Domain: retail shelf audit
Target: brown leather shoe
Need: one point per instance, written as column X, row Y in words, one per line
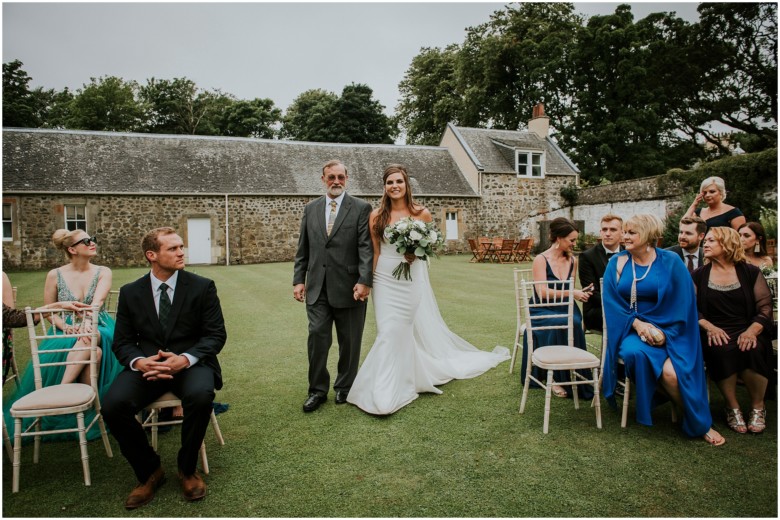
column 192, row 486
column 142, row 494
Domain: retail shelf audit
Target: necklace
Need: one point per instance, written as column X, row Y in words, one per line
column 632, row 303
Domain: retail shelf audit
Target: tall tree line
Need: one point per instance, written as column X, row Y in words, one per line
column 627, row 98
column 178, row 106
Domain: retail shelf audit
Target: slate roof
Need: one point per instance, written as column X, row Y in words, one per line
column 493, row 150
column 61, row 161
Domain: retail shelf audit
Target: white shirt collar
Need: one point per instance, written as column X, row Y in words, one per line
column 338, row 200
column 617, row 249
column 171, row 282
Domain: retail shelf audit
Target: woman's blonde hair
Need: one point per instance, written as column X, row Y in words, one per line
column 63, row 239
column 718, row 182
column 730, row 242
column 647, row 226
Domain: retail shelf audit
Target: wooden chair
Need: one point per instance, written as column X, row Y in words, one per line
column 556, row 357
column 170, row 400
column 111, row 302
column 13, row 375
column 523, row 249
column 506, row 254
column 519, row 275
column 477, row 254
column 59, row 399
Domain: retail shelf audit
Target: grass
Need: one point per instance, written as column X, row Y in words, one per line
column 466, row 453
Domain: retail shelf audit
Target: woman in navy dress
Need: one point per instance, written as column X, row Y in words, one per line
column 652, row 324
column 717, row 213
column 555, row 264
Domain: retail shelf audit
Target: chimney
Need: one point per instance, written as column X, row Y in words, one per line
column 540, row 123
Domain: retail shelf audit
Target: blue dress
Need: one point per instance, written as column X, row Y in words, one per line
column 542, row 338
column 666, row 299
column 109, row 370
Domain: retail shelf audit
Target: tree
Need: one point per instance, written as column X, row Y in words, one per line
column 176, row 106
column 309, row 116
column 18, row 101
column 108, row 104
column 354, row 117
column 255, row 118
column 737, row 80
column 360, row 119
column 429, row 96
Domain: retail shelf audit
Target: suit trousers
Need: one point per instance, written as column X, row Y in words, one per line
column 130, row 393
column 349, row 331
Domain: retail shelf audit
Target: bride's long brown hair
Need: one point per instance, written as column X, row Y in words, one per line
column 385, row 204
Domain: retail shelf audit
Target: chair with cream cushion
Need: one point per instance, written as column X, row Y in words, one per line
column 153, row 422
column 60, row 399
column 519, row 275
column 556, row 357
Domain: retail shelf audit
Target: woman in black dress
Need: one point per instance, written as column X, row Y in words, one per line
column 712, row 192
column 735, row 317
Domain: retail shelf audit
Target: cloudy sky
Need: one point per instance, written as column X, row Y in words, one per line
column 267, row 50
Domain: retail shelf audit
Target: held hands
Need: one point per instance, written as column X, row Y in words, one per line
column 649, row 334
column 361, row 292
column 163, row 365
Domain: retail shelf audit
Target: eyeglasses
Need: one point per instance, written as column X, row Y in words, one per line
column 332, row 178
column 86, row 241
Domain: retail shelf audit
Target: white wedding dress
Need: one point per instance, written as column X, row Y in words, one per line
column 414, row 350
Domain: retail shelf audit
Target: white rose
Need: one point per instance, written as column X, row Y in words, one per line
column 420, row 225
column 414, row 235
column 432, row 236
column 401, row 225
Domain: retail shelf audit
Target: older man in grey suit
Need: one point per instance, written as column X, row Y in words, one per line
column 333, row 274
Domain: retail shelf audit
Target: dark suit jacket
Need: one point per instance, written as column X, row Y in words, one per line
column 338, row 261
column 679, row 250
column 197, row 326
column 592, row 264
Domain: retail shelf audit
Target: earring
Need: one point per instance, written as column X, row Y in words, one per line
column 757, row 248
column 649, row 248
column 556, row 245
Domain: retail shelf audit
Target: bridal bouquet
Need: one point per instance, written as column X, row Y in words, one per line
column 413, row 236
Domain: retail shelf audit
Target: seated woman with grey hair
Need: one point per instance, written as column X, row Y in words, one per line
column 652, row 324
column 717, row 213
column 735, row 316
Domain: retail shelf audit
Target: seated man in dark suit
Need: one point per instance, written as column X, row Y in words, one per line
column 593, row 263
column 689, row 239
column 169, row 330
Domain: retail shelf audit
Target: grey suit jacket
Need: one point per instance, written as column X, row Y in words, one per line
column 338, row 261
column 677, row 249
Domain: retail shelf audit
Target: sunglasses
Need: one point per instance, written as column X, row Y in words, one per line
column 86, row 241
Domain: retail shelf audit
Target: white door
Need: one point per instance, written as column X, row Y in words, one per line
column 452, row 225
column 199, row 240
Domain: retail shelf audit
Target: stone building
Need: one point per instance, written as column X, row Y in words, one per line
column 239, row 200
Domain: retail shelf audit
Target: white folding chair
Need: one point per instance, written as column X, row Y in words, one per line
column 519, row 275
column 170, row 400
column 59, row 399
column 537, row 294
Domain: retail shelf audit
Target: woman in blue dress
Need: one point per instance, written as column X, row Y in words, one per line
column 555, row 264
column 652, row 324
column 77, row 281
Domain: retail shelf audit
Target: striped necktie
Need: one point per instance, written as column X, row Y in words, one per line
column 332, row 216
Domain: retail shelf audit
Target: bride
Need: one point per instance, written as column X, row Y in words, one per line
column 414, row 350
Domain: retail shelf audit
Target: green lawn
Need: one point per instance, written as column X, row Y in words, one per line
column 466, row 453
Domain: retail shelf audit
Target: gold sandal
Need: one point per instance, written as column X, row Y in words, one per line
column 559, row 391
column 735, row 420
column 757, row 423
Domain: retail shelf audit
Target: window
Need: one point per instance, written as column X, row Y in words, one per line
column 8, row 223
column 529, row 164
column 75, row 217
column 451, row 229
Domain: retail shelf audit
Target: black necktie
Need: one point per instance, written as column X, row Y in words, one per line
column 610, row 255
column 690, row 263
column 165, row 305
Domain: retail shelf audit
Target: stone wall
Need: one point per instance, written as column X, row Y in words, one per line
column 655, row 195
column 511, row 207
column 261, row 228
